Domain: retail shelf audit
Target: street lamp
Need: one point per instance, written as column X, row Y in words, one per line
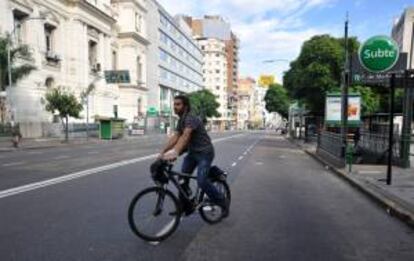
column 275, row 60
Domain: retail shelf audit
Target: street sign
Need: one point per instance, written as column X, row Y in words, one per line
column 360, row 75
column 379, row 54
column 117, row 76
column 152, row 112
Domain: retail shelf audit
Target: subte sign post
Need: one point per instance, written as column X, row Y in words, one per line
column 378, row 55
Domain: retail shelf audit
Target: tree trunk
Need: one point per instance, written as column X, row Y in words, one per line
column 2, row 109
column 66, row 130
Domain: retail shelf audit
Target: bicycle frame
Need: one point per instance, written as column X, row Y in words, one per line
column 171, row 177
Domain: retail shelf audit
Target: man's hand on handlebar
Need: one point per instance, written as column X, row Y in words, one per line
column 170, row 155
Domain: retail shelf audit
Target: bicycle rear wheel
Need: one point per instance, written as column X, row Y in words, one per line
column 154, row 214
column 211, row 213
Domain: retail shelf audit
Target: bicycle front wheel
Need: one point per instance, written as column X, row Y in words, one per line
column 154, row 214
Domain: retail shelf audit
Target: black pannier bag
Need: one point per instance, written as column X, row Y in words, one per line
column 216, row 173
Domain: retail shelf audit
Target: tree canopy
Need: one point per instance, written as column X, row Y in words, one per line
column 277, row 100
column 204, row 104
column 317, row 70
column 64, row 103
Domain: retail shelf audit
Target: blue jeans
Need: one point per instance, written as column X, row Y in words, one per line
column 202, row 160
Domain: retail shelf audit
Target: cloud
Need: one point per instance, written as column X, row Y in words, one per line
column 268, row 29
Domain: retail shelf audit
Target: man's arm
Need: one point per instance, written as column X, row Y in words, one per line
column 183, row 140
column 172, row 141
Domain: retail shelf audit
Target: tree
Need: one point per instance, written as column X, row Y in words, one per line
column 64, row 103
column 317, row 70
column 19, row 53
column 204, row 104
column 277, row 100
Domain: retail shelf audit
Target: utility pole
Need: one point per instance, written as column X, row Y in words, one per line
column 344, row 93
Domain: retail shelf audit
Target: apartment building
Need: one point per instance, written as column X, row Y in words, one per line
column 174, row 63
column 215, row 27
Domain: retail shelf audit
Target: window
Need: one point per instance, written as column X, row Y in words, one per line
column 163, row 20
column 217, row 71
column 114, row 60
column 139, row 69
column 138, row 22
column 93, row 55
column 163, row 38
column 163, row 56
column 217, row 87
column 19, row 28
column 163, row 74
column 49, row 37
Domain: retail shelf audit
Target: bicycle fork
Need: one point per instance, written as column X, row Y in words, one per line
column 160, row 203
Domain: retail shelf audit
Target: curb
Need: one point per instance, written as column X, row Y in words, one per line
column 392, row 204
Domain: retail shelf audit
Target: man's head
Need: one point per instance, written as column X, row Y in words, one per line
column 181, row 104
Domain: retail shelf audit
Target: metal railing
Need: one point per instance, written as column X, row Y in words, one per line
column 331, row 142
column 377, row 144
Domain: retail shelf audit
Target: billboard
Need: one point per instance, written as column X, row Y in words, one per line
column 333, row 110
column 266, row 80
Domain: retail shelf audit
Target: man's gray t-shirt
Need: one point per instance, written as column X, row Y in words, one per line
column 199, row 141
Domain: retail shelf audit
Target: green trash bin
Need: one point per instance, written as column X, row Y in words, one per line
column 111, row 128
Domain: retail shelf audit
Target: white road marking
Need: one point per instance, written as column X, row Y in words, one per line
column 245, row 153
column 241, row 157
column 12, row 164
column 234, row 164
column 79, row 174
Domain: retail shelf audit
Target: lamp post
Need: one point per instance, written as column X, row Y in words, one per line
column 271, row 61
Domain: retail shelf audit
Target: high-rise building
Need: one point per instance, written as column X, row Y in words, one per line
column 215, row 27
column 174, row 63
column 215, row 76
column 246, row 96
column 402, row 33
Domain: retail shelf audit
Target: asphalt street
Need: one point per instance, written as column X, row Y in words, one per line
column 285, row 206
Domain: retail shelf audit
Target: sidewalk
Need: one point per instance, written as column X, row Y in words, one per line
column 43, row 143
column 397, row 198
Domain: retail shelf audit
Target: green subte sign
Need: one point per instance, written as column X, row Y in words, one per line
column 379, row 54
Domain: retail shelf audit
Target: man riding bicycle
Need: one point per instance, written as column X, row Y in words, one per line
column 191, row 134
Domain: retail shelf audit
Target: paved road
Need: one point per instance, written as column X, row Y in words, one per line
column 285, row 207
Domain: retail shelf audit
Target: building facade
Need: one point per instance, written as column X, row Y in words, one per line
column 215, row 76
column 215, row 27
column 174, row 65
column 402, row 31
column 73, row 43
column 132, row 56
column 246, row 95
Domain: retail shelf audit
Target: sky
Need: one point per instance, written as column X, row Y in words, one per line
column 276, row 29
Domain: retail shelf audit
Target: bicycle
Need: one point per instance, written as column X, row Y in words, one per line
column 161, row 215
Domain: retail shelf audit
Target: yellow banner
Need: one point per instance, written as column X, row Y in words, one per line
column 266, row 80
